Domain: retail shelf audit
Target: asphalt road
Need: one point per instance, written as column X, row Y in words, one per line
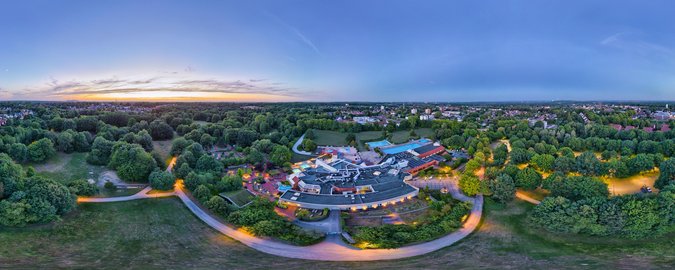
column 298, row 143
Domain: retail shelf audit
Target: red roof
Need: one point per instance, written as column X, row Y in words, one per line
column 665, row 128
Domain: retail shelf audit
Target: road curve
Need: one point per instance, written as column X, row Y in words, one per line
column 295, row 147
column 330, row 250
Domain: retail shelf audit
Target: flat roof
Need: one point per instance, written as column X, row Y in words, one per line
column 393, row 191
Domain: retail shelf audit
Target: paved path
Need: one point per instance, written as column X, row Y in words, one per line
column 331, row 249
column 298, row 143
column 526, row 198
column 329, row 225
column 143, row 194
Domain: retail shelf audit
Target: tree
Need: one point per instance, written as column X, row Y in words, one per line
column 82, row 187
column 564, row 164
column 503, row 188
column 131, row 162
column 640, row 163
column 162, row 180
column 160, row 130
column 520, row 156
column 280, row 155
column 101, row 150
column 52, row 192
column 350, row 138
column 229, row 183
column 202, row 193
column 308, row 145
column 310, row 134
column 255, row 156
column 218, row 205
column 65, row 141
column 41, row 150
column 178, row 145
column 18, row 152
column 528, row 178
column 207, row 163
column 577, row 187
column 469, row 184
column 667, row 176
column 543, row 162
column 588, row 164
column 500, row 154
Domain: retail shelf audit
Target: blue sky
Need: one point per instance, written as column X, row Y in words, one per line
column 337, row 50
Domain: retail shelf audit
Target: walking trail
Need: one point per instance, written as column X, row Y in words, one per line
column 331, row 249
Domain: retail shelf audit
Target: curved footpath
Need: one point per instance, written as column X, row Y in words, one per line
column 330, row 250
column 333, row 248
column 295, row 147
column 143, row 194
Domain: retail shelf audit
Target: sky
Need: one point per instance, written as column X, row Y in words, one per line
column 360, row 50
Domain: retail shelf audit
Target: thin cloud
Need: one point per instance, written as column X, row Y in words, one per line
column 116, row 85
column 627, row 42
column 295, row 31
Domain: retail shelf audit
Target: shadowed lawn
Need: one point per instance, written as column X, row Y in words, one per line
column 162, row 233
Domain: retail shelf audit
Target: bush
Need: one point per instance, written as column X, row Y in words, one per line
column 82, row 188
column 162, row 180
column 218, row 205
column 109, row 185
column 444, row 216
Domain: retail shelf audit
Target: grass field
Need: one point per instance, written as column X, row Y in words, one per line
column 336, row 138
column 240, row 197
column 163, row 148
column 365, row 136
column 328, row 137
column 299, row 158
column 162, row 233
column 68, row 167
column 404, row 135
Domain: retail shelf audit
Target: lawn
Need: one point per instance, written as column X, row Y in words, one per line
column 162, row 233
column 239, row 198
column 336, row 138
column 328, row 137
column 404, row 135
column 68, row 167
column 163, row 148
column 366, row 136
column 299, row 158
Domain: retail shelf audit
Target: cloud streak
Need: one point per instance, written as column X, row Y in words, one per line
column 295, row 31
column 116, row 85
column 629, row 43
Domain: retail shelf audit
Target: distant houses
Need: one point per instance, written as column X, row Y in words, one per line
column 662, row 128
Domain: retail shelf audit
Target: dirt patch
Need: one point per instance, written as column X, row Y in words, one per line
column 631, row 185
column 109, row 176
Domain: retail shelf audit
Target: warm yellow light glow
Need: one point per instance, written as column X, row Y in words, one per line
column 180, row 96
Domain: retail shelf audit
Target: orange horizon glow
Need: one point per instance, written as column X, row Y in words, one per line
column 172, row 96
